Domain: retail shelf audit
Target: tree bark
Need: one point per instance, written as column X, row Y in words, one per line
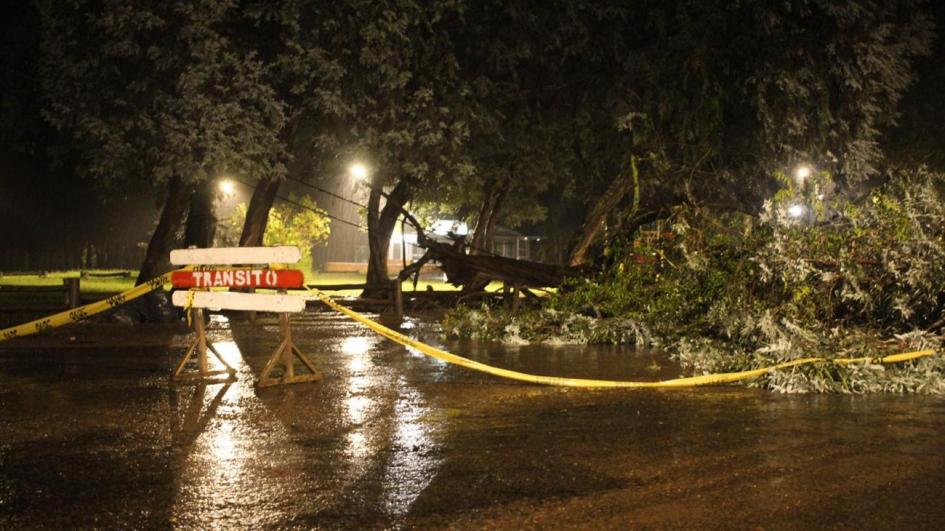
column 296, row 136
column 257, row 214
column 596, row 218
column 479, row 234
column 157, row 257
column 381, row 224
column 484, row 234
column 201, row 221
column 493, row 218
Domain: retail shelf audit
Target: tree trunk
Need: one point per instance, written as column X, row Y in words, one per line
column 201, row 222
column 484, row 234
column 479, row 234
column 598, row 215
column 297, row 137
column 157, row 257
column 257, row 214
column 493, row 218
column 381, row 224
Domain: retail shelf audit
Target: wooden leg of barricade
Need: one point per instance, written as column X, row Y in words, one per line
column 200, row 346
column 285, row 355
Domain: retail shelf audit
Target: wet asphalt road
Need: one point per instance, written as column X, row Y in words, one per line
column 92, row 435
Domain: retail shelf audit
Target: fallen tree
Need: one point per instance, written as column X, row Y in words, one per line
column 809, row 276
column 463, row 268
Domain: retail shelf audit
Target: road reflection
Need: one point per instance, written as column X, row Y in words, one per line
column 395, row 438
column 357, row 405
column 188, row 423
column 236, row 445
column 226, row 447
column 415, row 458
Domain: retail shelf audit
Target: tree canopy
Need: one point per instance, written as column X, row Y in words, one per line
column 497, row 109
column 160, row 90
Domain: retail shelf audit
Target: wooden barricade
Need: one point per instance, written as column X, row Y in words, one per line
column 195, row 302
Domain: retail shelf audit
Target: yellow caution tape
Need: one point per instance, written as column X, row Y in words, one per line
column 188, row 306
column 692, row 381
column 82, row 312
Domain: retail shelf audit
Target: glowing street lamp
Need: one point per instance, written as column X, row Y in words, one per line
column 227, row 187
column 358, row 171
column 801, row 173
column 796, row 210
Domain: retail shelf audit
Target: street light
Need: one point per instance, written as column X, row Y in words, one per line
column 796, row 210
column 358, row 171
column 227, row 187
column 801, row 173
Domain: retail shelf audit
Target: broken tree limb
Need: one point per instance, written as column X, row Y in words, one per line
column 597, row 217
column 462, row 268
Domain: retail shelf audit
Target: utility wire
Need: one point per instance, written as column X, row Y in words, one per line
column 322, row 190
column 347, row 200
column 368, row 185
column 300, row 205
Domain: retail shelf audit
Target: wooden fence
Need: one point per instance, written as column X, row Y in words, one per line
column 26, row 297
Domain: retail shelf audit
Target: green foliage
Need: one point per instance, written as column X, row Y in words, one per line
column 287, row 225
column 412, row 111
column 150, row 91
column 739, row 89
column 732, row 292
column 712, row 97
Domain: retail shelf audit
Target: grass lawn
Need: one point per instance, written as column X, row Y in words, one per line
column 87, row 284
column 433, row 282
column 110, row 285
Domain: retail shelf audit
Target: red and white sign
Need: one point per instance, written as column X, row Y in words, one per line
column 239, row 278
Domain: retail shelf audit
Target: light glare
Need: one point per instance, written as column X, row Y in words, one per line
column 226, row 187
column 801, row 173
column 358, row 171
column 796, row 211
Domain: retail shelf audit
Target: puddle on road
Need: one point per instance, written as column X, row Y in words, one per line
column 392, row 438
column 230, row 451
column 415, row 458
column 399, row 442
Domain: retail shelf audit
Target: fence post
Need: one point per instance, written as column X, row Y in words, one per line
column 72, row 291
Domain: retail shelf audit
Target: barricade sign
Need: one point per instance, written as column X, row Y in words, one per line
column 236, row 255
column 239, row 278
column 246, row 302
column 198, row 298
